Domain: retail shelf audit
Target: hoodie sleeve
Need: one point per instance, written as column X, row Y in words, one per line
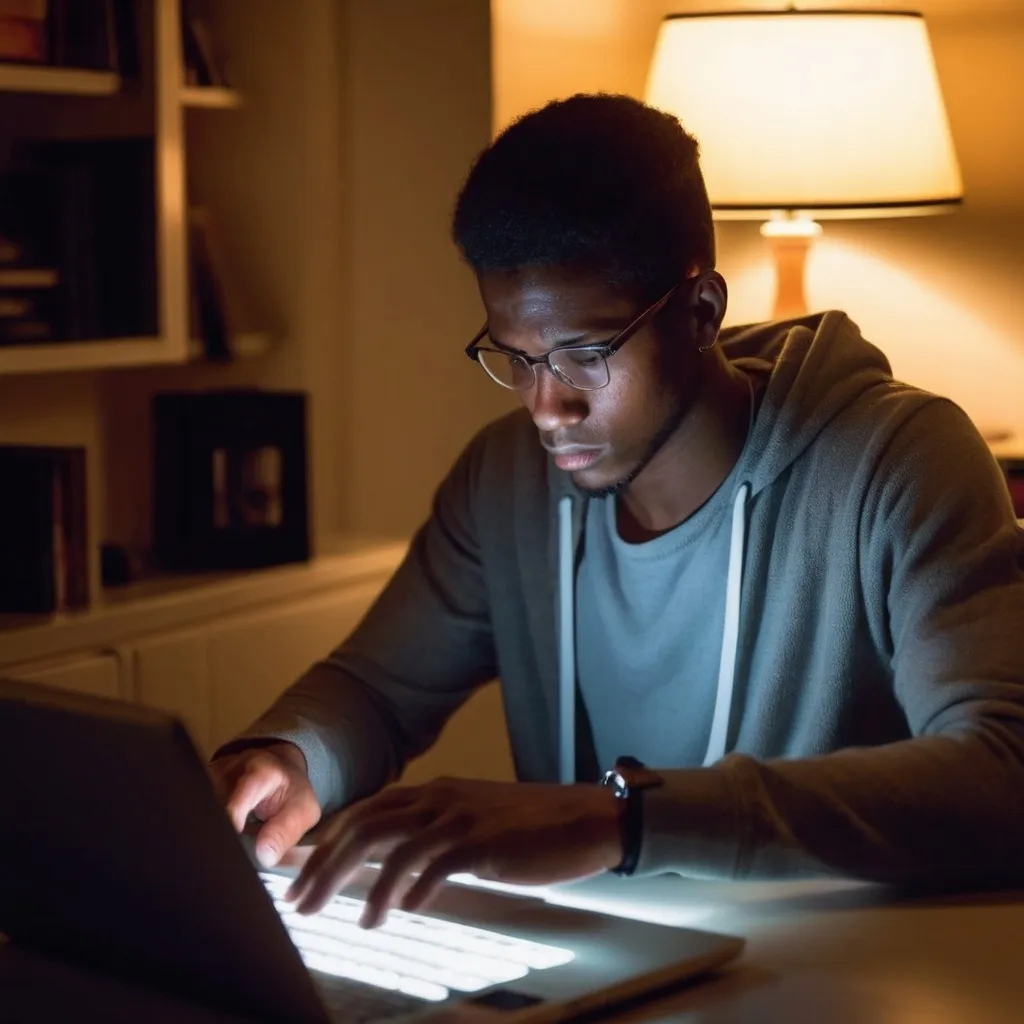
column 939, row 541
column 383, row 696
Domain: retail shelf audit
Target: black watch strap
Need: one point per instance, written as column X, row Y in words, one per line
column 629, row 778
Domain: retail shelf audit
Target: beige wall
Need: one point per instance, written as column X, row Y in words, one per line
column 940, row 295
column 418, row 106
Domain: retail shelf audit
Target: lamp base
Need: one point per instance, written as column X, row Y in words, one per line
column 790, row 242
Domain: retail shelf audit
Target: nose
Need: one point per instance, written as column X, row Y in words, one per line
column 553, row 404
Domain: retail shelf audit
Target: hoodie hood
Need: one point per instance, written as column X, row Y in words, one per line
column 815, row 367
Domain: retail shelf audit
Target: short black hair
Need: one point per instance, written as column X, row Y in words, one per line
column 598, row 181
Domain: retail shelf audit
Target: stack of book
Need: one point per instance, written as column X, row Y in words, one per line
column 43, row 534
column 78, row 230
column 28, row 277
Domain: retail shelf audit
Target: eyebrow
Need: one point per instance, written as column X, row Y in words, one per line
column 579, row 341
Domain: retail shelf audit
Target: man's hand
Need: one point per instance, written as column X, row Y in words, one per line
column 519, row 833
column 271, row 783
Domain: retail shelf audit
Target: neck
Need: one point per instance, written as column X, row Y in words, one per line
column 696, row 459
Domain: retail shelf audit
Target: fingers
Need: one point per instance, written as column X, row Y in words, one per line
column 433, row 853
column 353, row 840
column 283, row 830
column 434, row 875
column 268, row 786
column 296, row 857
column 259, row 781
column 342, row 828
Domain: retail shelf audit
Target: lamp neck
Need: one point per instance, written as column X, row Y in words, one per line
column 791, row 226
column 790, row 239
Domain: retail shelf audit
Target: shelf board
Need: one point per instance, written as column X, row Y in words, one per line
column 56, row 357
column 68, row 81
column 208, row 97
column 243, row 346
column 28, row 277
column 107, row 353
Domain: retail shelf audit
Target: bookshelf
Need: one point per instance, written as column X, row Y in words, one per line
column 58, row 81
column 210, row 97
column 60, row 103
column 83, row 355
column 243, row 346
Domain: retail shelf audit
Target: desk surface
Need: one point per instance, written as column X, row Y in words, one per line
column 827, row 953
column 835, row 952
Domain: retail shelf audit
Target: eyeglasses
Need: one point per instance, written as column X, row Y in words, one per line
column 584, row 367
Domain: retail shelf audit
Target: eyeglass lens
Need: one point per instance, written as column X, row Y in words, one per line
column 580, row 368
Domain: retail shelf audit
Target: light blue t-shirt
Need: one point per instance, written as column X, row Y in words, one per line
column 649, row 620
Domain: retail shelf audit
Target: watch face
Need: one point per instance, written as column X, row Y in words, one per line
column 616, row 781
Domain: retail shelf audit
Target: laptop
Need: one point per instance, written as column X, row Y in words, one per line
column 115, row 854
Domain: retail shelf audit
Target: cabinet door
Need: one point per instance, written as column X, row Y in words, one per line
column 96, row 674
column 170, row 675
column 252, row 659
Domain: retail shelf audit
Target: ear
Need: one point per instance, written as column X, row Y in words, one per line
column 709, row 298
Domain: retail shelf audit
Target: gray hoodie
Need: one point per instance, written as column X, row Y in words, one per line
column 869, row 718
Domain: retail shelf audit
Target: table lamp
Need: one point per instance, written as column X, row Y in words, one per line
column 804, row 114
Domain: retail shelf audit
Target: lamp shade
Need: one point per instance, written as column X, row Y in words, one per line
column 830, row 112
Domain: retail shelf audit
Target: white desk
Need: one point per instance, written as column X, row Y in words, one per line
column 834, row 952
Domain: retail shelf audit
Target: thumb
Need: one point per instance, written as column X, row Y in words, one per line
column 284, row 829
column 251, row 790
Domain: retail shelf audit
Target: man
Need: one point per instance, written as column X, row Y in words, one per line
column 791, row 586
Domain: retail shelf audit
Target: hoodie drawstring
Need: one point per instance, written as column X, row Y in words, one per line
column 731, row 632
column 567, row 638
column 566, row 646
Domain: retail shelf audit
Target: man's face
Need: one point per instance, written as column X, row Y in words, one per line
column 604, row 437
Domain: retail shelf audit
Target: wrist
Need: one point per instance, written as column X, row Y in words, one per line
column 290, row 753
column 287, row 751
column 610, row 827
column 627, row 782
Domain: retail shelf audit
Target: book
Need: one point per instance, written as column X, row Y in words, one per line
column 23, row 31
column 100, row 228
column 27, row 284
column 43, row 535
column 202, row 66
column 82, row 34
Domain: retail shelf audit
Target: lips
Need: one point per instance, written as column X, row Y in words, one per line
column 574, row 458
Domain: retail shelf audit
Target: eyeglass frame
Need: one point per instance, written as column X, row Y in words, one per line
column 606, row 349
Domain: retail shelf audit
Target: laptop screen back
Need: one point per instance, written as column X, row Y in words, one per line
column 115, row 852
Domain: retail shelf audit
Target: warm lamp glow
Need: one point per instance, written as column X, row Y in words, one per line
column 824, row 111
column 809, row 113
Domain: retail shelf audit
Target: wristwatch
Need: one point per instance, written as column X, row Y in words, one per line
column 628, row 779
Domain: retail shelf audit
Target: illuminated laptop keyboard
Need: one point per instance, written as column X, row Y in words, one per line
column 412, row 955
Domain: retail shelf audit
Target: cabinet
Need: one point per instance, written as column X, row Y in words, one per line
column 218, row 677
column 170, row 674
column 253, row 658
column 95, row 674
column 218, row 657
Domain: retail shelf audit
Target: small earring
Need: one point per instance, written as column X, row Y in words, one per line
column 708, row 348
